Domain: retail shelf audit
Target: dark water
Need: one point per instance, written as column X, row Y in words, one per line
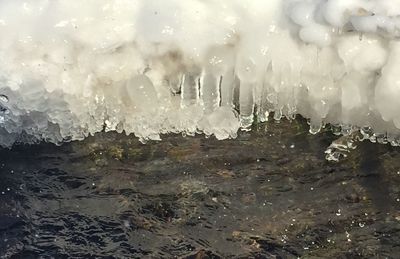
column 264, row 195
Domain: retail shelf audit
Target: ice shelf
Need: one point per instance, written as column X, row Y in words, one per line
column 69, row 68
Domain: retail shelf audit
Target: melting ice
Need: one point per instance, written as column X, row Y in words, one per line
column 69, row 69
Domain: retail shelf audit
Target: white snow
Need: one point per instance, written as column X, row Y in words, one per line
column 72, row 68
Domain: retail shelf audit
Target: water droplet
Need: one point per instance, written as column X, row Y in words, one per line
column 336, row 129
column 3, row 98
column 127, row 224
column 315, row 128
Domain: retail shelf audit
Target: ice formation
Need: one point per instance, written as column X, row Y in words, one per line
column 69, row 69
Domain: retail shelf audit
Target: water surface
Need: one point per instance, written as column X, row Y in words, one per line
column 266, row 194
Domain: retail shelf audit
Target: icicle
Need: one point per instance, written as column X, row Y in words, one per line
column 192, row 66
column 246, row 70
column 142, row 94
column 227, row 88
column 210, row 93
column 190, row 88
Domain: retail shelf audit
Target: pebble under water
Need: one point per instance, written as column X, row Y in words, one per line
column 267, row 194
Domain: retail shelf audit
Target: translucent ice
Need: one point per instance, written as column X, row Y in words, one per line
column 69, row 69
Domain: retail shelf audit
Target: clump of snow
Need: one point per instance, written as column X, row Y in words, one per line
column 69, row 69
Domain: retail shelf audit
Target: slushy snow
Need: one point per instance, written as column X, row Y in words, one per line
column 69, row 68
